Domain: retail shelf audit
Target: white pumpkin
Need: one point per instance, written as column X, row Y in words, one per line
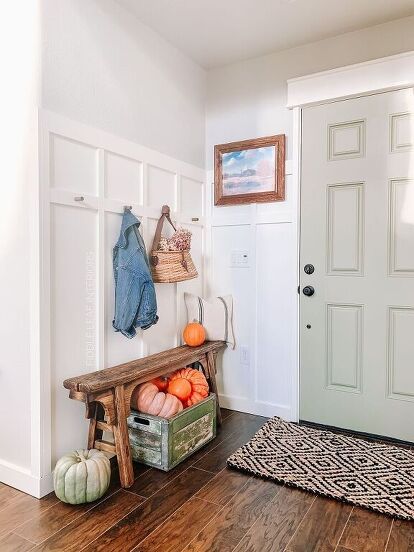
column 82, row 476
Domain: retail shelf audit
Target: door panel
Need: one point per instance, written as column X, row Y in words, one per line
column 357, row 229
column 345, row 228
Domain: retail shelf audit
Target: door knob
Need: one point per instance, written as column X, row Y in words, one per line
column 308, row 291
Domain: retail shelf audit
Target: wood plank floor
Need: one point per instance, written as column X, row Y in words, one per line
column 199, row 506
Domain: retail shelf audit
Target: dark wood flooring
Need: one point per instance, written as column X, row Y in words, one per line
column 199, row 506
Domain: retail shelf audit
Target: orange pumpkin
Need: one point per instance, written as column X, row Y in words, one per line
column 194, row 334
column 198, row 385
column 181, row 388
column 146, row 398
column 161, row 382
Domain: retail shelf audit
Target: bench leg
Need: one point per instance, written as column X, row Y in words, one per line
column 123, row 449
column 95, row 433
column 211, row 371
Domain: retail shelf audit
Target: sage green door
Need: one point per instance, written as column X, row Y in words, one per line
column 357, row 230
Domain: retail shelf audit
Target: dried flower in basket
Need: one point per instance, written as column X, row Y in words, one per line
column 180, row 240
column 163, row 245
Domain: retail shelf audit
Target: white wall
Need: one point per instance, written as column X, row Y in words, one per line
column 247, row 100
column 102, row 67
column 95, row 63
column 18, row 176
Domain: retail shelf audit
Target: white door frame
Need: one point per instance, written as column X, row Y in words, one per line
column 352, row 81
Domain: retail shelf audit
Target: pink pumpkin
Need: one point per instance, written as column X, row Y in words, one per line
column 146, row 398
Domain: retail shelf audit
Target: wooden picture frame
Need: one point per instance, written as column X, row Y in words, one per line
column 261, row 180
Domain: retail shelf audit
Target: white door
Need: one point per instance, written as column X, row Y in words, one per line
column 357, row 230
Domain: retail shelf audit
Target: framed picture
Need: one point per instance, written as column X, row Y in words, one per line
column 250, row 171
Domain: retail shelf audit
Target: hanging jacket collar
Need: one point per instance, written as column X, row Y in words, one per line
column 128, row 220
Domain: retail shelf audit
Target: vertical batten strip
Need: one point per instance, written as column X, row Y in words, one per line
column 177, row 206
column 145, row 234
column 144, row 185
column 207, row 231
column 178, row 294
column 253, row 271
column 101, row 306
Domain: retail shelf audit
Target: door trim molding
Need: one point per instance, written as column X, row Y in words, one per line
column 360, row 79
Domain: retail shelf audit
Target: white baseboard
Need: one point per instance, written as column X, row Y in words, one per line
column 21, row 479
column 260, row 408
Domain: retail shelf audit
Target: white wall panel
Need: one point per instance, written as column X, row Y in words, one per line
column 118, row 348
column 74, row 323
column 74, row 165
column 195, row 285
column 275, row 260
column 163, row 335
column 123, row 178
column 191, row 197
column 234, row 380
column 161, row 187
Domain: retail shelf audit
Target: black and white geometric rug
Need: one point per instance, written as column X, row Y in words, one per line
column 364, row 473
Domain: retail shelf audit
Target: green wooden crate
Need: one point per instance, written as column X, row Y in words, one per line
column 163, row 443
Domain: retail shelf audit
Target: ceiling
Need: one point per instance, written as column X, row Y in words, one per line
column 218, row 32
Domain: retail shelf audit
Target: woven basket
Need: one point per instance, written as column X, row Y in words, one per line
column 170, row 266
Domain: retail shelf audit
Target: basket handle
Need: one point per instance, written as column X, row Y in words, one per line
column 165, row 214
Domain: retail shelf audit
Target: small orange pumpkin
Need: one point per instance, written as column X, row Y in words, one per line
column 161, row 382
column 194, row 334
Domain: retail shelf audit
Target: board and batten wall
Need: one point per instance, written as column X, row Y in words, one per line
column 248, row 100
column 257, row 375
column 109, row 173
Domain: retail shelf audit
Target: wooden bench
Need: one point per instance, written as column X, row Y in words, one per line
column 107, row 395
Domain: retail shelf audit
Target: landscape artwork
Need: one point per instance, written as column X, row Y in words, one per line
column 250, row 171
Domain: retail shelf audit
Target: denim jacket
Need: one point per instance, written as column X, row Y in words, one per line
column 135, row 301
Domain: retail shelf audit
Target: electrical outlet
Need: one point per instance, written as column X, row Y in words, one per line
column 239, row 259
column 244, row 356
